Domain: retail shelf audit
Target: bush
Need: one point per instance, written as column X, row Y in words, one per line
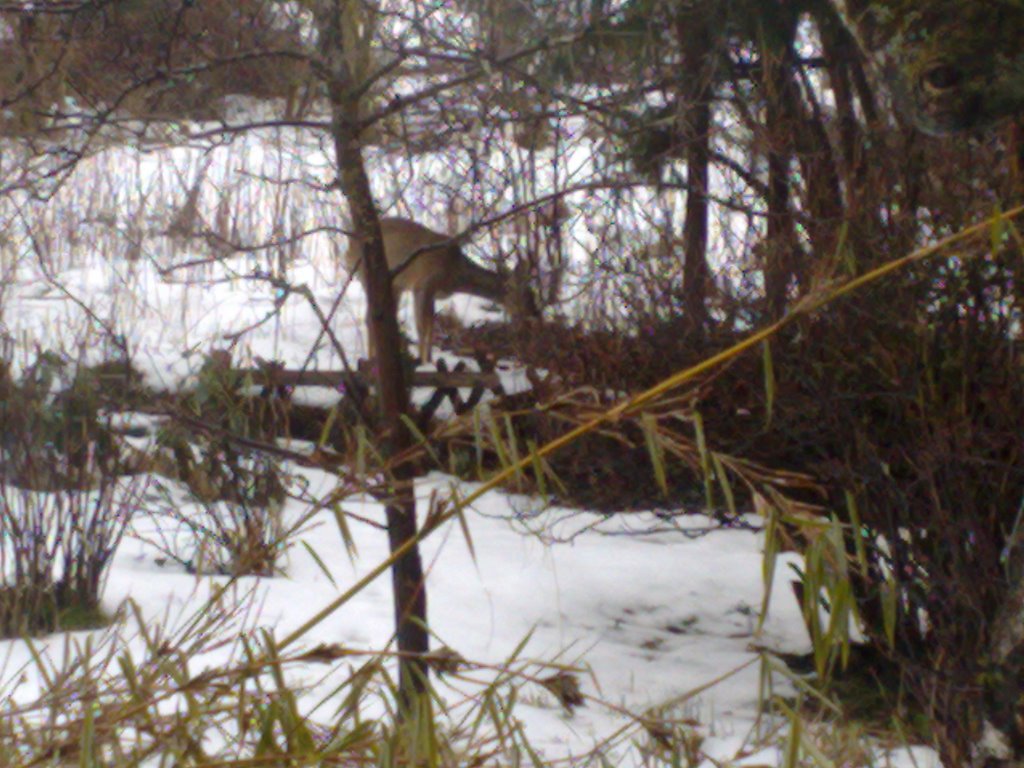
column 55, row 547
column 230, row 522
column 906, row 405
column 63, row 507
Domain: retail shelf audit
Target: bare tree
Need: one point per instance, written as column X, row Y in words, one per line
column 346, row 30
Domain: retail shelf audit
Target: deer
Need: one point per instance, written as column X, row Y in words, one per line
column 430, row 266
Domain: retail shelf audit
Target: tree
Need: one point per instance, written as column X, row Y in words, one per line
column 346, row 29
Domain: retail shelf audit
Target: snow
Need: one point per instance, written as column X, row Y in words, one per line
column 653, row 614
column 651, row 617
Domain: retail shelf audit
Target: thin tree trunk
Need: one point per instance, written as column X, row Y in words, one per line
column 795, row 127
column 779, row 240
column 696, row 32
column 778, row 266
column 409, row 590
column 695, row 225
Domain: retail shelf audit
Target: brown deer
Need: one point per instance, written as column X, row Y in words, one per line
column 431, row 266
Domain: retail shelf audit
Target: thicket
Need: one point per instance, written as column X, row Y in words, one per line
column 67, row 496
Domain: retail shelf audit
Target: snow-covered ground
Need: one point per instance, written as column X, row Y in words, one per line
column 652, row 611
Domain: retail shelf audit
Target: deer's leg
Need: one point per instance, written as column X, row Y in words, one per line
column 423, row 301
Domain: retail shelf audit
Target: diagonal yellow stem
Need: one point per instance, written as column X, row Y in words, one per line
column 630, row 404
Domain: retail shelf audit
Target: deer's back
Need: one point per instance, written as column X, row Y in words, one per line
column 416, row 255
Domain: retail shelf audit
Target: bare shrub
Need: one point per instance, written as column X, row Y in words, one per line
column 53, row 437
column 637, row 462
column 55, row 547
column 230, row 522
column 63, row 506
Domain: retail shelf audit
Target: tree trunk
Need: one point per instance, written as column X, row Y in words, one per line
column 695, row 225
column 778, row 245
column 407, row 572
column 797, row 127
column 780, row 241
column 697, row 32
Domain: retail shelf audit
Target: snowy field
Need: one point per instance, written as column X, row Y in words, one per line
column 655, row 615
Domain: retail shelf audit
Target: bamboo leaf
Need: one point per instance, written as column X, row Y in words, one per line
column 705, row 460
column 319, row 562
column 889, row 598
column 513, row 447
column 421, row 439
column 858, row 533
column 537, row 463
column 725, row 484
column 649, row 424
column 768, row 560
column 769, row 381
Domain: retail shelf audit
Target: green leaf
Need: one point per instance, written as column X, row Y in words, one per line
column 769, row 382
column 649, row 424
column 705, row 459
